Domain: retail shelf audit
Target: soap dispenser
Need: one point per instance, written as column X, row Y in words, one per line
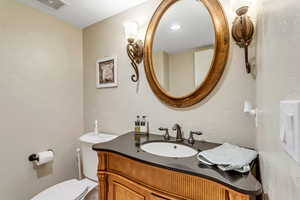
column 143, row 125
column 137, row 127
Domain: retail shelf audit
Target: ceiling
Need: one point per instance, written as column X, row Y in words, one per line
column 196, row 28
column 83, row 13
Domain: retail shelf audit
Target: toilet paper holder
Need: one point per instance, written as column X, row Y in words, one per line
column 35, row 157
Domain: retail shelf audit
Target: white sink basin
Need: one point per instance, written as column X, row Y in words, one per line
column 167, row 149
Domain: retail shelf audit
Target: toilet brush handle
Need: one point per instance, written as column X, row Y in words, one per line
column 79, row 163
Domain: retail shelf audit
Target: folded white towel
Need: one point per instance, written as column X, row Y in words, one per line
column 229, row 157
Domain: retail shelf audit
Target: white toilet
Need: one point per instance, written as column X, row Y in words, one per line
column 78, row 189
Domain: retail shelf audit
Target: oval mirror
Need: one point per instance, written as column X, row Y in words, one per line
column 186, row 50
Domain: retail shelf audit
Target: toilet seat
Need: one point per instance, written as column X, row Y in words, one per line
column 68, row 190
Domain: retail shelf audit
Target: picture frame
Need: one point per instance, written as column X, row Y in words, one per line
column 106, row 72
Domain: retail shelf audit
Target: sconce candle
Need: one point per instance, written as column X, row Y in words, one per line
column 243, row 28
column 135, row 48
column 131, row 30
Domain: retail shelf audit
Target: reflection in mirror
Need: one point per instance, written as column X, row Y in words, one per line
column 183, row 47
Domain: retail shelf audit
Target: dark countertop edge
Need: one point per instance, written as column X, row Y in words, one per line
column 252, row 193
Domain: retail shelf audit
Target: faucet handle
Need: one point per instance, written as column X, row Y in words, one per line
column 162, row 129
column 196, row 133
column 176, row 127
column 166, row 136
column 191, row 139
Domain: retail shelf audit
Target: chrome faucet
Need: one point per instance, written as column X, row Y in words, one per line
column 177, row 128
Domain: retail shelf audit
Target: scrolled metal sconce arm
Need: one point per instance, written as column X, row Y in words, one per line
column 242, row 32
column 136, row 54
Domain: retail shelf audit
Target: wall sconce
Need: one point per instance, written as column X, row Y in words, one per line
column 243, row 28
column 135, row 48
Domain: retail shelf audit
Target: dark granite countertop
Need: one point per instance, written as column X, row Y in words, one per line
column 129, row 145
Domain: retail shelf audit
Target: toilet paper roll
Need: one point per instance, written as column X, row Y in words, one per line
column 45, row 157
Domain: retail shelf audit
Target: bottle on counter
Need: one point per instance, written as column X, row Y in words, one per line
column 137, row 127
column 143, row 125
column 147, row 127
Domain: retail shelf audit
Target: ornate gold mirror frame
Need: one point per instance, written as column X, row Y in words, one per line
column 218, row 64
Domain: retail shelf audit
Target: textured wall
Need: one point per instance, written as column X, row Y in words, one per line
column 41, row 98
column 278, row 48
column 220, row 116
column 182, row 75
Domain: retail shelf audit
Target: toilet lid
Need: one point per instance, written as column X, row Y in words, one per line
column 94, row 138
column 68, row 190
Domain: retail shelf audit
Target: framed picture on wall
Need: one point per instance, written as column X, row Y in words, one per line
column 106, row 72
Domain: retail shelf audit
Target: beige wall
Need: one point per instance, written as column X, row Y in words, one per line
column 278, row 48
column 176, row 71
column 41, row 98
column 202, row 63
column 182, row 80
column 220, row 116
column 161, row 68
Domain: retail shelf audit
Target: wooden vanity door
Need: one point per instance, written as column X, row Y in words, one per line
column 121, row 192
column 121, row 189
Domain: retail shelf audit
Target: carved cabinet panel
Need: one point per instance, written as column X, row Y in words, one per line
column 120, row 188
column 121, row 192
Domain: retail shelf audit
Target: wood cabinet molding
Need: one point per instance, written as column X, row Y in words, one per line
column 102, row 166
column 103, row 185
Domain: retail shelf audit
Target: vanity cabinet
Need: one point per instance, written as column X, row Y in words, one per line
column 122, row 178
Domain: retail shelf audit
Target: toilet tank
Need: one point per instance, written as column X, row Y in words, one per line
column 88, row 155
